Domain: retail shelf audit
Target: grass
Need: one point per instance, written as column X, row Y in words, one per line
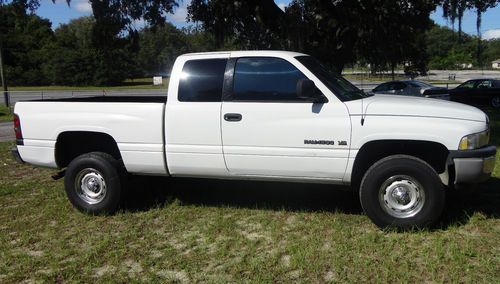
column 5, row 113
column 131, row 84
column 185, row 230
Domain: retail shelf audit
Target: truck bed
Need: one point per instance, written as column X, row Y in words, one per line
column 110, row 99
column 135, row 123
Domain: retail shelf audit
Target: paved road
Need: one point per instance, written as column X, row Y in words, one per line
column 6, row 132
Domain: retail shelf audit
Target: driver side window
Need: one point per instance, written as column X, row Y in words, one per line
column 265, row 79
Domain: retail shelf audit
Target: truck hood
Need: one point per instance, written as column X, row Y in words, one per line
column 414, row 106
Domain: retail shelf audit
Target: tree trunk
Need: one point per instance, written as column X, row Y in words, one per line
column 2, row 75
column 460, row 16
column 478, row 26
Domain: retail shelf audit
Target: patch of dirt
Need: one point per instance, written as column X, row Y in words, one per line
column 133, row 266
column 329, row 276
column 251, row 231
column 45, row 271
column 101, row 271
column 291, row 220
column 173, row 275
column 326, row 247
column 294, row 275
column 156, row 254
column 285, row 260
column 34, row 253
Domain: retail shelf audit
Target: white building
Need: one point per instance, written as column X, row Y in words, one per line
column 495, row 64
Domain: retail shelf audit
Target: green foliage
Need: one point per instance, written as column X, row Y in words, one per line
column 105, row 49
column 449, row 52
column 492, row 51
column 454, row 9
column 22, row 37
column 159, row 48
column 76, row 60
column 5, row 113
column 72, row 60
column 380, row 32
column 252, row 24
column 446, row 51
column 396, row 35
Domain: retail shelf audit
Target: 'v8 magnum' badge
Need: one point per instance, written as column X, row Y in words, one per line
column 319, row 142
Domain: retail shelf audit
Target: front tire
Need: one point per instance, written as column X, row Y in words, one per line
column 402, row 192
column 93, row 183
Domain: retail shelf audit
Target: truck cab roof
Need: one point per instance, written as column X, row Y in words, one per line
column 243, row 53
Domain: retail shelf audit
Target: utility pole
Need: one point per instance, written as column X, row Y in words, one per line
column 2, row 75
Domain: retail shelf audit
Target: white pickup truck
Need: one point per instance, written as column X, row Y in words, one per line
column 263, row 115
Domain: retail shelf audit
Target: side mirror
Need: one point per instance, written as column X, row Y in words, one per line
column 307, row 90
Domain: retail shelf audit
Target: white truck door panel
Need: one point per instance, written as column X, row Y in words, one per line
column 270, row 139
column 193, row 136
column 280, row 135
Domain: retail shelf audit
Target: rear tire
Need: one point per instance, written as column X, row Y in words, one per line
column 402, row 192
column 93, row 183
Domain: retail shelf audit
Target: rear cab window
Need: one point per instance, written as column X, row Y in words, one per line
column 201, row 80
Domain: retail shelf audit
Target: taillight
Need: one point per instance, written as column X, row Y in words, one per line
column 17, row 127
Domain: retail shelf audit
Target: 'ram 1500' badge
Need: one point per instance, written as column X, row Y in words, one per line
column 319, row 142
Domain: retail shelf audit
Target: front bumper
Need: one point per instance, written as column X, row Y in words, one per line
column 16, row 155
column 472, row 166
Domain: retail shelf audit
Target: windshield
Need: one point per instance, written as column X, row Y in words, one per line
column 342, row 88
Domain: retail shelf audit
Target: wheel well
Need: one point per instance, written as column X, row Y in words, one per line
column 72, row 144
column 435, row 154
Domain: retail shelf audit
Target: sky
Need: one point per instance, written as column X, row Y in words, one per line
column 59, row 13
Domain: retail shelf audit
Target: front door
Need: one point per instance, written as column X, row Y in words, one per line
column 267, row 130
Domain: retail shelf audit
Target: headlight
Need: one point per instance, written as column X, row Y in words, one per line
column 474, row 141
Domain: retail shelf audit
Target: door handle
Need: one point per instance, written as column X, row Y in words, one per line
column 232, row 117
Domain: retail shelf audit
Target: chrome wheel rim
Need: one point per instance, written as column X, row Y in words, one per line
column 401, row 196
column 495, row 102
column 90, row 186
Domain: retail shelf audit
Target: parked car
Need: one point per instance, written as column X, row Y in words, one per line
column 412, row 88
column 478, row 92
column 262, row 115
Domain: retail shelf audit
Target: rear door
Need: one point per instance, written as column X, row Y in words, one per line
column 193, row 126
column 268, row 131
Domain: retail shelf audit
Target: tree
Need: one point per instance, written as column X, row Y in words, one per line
column 114, row 27
column 454, row 10
column 330, row 30
column 256, row 24
column 22, row 38
column 492, row 50
column 396, row 35
column 481, row 6
column 445, row 51
column 116, row 14
column 75, row 60
column 159, row 48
